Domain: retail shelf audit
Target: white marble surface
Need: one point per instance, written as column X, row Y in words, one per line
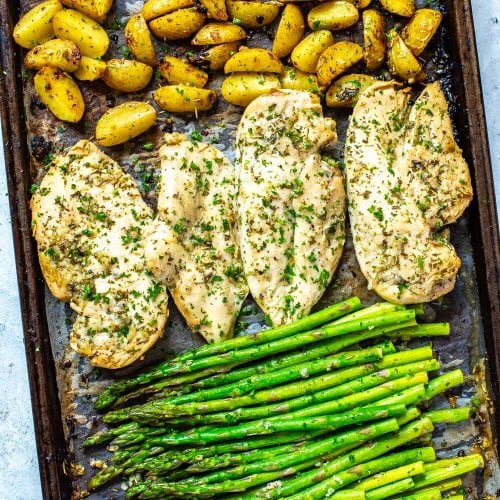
column 19, row 479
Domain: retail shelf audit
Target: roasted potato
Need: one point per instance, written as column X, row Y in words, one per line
column 362, row 4
column 90, row 37
column 253, row 60
column 183, row 99
column 337, row 59
column 35, row 27
column 252, row 14
column 61, row 54
column 138, row 38
column 59, row 92
column 216, row 9
column 96, row 9
column 241, row 89
column 126, row 75
column 401, row 61
column 124, row 122
column 294, row 79
column 90, row 69
column 344, row 92
column 421, row 28
column 290, row 30
column 157, row 8
column 306, row 54
column 217, row 55
column 176, row 71
column 404, row 8
column 336, row 15
column 177, row 25
column 374, row 39
column 215, row 33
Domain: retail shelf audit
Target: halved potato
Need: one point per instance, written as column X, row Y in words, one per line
column 345, row 91
column 126, row 75
column 124, row 122
column 183, row 99
column 290, row 30
column 61, row 54
column 157, row 8
column 216, row 9
column 215, row 33
column 401, row 60
column 138, row 38
column 294, row 79
column 254, row 60
column 177, row 25
column 96, row 9
column 35, row 27
column 374, row 39
column 241, row 89
column 217, row 55
column 337, row 59
column 59, row 92
column 252, row 14
column 405, row 8
column 421, row 28
column 177, row 71
column 336, row 15
column 306, row 54
column 90, row 69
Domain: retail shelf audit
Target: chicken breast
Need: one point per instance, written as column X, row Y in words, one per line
column 192, row 246
column 291, row 203
column 406, row 179
column 89, row 221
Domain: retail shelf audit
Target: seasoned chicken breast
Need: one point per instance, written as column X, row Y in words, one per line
column 89, row 221
column 192, row 245
column 291, row 203
column 406, row 179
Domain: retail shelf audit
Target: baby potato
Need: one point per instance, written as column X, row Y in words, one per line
column 90, row 69
column 90, row 37
column 126, row 75
column 344, row 92
column 374, row 39
column 241, row 89
column 216, row 9
column 35, row 27
column 215, row 33
column 177, row 25
column 61, row 54
column 217, row 55
column 254, row 60
column 421, row 28
column 96, row 9
column 252, row 14
column 360, row 4
column 138, row 38
column 404, row 8
column 183, row 99
column 401, row 61
column 124, row 122
column 157, row 8
column 336, row 15
column 177, row 71
column 290, row 30
column 306, row 54
column 337, row 59
column 59, row 92
column 294, row 79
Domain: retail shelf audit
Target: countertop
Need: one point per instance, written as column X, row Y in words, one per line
column 19, row 477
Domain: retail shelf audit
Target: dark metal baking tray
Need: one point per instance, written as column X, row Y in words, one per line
column 473, row 308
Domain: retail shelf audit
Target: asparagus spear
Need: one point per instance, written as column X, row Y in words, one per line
column 424, row 330
column 390, row 489
column 448, row 416
column 440, row 384
column 391, row 476
column 430, row 494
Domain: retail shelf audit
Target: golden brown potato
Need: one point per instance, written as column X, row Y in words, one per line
column 215, row 33
column 421, row 28
column 401, row 60
column 90, row 37
column 294, row 79
column 61, row 54
column 404, row 8
column 96, row 9
column 252, row 14
column 59, row 92
column 124, row 122
column 216, row 9
column 360, row 4
column 138, row 38
column 374, row 39
column 306, row 54
column 290, row 30
column 35, row 27
column 183, row 99
column 177, row 25
column 337, row 59
column 241, row 89
column 176, row 71
column 126, row 75
column 336, row 15
column 90, row 69
column 345, row 91
column 217, row 55
column 157, row 8
column 253, row 60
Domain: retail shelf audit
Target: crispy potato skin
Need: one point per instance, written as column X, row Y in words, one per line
column 420, row 29
column 345, row 91
column 96, row 9
column 337, row 59
column 59, row 92
column 216, row 33
column 176, row 71
column 290, row 30
column 156, row 8
column 61, row 54
column 374, row 39
column 124, row 122
column 401, row 61
column 217, row 55
column 404, row 8
column 336, row 15
column 178, row 25
column 252, row 14
column 126, row 75
column 35, row 27
column 294, row 79
column 306, row 54
column 138, row 38
column 90, row 69
column 184, row 99
column 253, row 60
column 241, row 89
column 216, row 9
